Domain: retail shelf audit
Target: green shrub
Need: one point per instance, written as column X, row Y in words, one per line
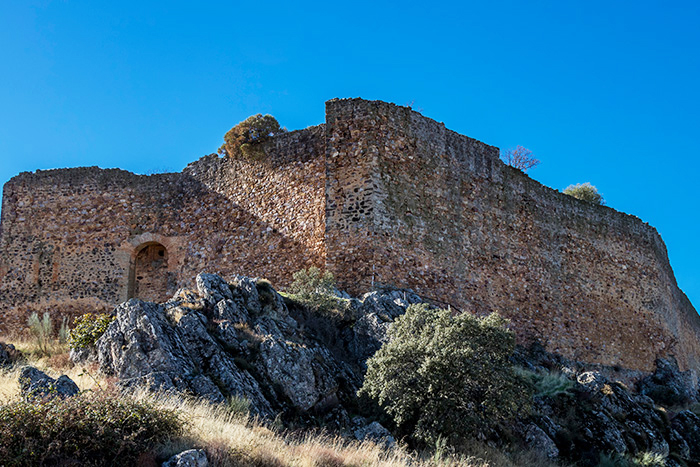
column 265, row 291
column 443, row 376
column 309, row 282
column 91, row 428
column 547, row 383
column 585, row 192
column 315, row 290
column 87, row 329
column 238, row 405
column 41, row 330
column 245, row 139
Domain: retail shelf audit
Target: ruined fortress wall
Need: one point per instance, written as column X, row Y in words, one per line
column 379, row 195
column 285, row 188
column 62, row 237
column 453, row 222
column 72, row 238
column 352, row 139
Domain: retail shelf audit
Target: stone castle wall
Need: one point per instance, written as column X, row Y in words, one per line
column 73, row 239
column 379, row 195
column 450, row 220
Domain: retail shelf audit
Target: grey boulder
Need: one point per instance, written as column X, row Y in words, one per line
column 35, row 385
column 190, row 458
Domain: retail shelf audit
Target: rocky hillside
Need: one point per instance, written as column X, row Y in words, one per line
column 242, row 341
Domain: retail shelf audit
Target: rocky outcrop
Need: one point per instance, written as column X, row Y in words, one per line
column 243, row 339
column 35, row 385
column 9, row 355
column 354, row 338
column 597, row 416
column 231, row 339
column 670, row 386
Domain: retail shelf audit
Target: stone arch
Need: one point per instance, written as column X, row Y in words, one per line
column 148, row 276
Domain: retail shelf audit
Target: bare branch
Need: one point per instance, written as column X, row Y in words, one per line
column 520, row 158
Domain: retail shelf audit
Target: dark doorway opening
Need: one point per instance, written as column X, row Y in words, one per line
column 149, row 273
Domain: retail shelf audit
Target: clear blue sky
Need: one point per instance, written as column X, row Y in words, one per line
column 602, row 92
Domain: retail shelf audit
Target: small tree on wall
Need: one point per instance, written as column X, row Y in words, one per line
column 585, row 192
column 245, row 139
column 520, row 158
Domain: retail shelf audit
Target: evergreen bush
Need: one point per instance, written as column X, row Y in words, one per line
column 585, row 192
column 87, row 329
column 316, row 290
column 91, row 428
column 446, row 377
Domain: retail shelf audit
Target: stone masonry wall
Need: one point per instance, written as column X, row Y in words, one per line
column 378, row 195
column 450, row 220
column 286, row 189
column 71, row 237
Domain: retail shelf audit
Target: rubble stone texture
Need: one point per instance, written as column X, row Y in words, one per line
column 378, row 195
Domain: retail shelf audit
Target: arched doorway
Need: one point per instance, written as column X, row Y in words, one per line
column 149, row 273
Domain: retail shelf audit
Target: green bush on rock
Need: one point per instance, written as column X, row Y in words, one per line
column 446, row 377
column 316, row 290
column 87, row 329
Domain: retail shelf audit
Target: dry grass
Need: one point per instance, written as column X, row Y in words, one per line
column 31, row 348
column 55, row 363
column 236, row 439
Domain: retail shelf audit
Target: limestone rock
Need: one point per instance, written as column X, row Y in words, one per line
column 374, row 432
column 687, row 426
column 35, row 385
column 388, row 304
column 376, row 311
column 538, row 440
column 592, row 381
column 83, row 356
column 213, row 288
column 190, row 458
column 145, row 346
column 226, row 339
column 303, row 372
column 599, row 416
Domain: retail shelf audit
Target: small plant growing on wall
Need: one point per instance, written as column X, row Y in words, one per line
column 520, row 158
column 585, row 192
column 245, row 139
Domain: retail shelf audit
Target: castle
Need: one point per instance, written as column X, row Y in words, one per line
column 378, row 195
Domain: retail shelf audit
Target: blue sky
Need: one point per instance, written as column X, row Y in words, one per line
column 602, row 92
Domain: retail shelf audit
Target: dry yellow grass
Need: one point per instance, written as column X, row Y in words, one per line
column 54, row 364
column 232, row 439
column 236, row 439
